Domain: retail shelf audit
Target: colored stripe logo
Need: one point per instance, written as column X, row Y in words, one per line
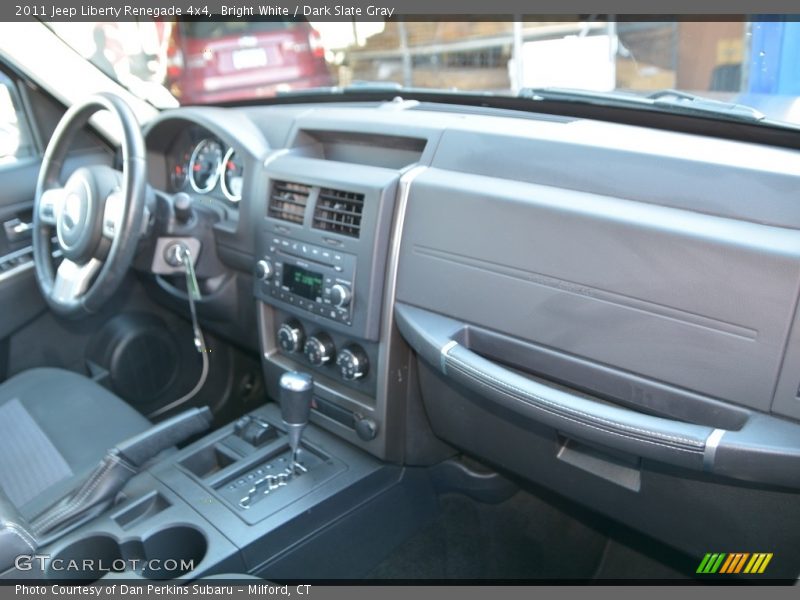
column 734, row 563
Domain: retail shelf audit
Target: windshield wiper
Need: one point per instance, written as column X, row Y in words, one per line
column 672, row 101
column 683, row 100
column 382, row 86
column 354, row 87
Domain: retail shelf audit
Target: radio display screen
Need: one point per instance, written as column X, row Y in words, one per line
column 307, row 284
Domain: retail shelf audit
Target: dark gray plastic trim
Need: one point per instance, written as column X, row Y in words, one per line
column 698, row 302
column 765, row 449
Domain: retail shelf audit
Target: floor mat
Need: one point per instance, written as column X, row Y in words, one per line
column 624, row 562
column 521, row 538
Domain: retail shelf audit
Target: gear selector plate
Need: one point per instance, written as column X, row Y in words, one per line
column 270, row 484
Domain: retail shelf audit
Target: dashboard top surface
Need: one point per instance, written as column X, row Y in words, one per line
column 693, row 172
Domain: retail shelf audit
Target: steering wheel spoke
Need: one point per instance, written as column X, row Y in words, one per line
column 72, row 280
column 50, row 204
column 113, row 213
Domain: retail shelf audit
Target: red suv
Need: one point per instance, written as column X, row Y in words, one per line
column 210, row 62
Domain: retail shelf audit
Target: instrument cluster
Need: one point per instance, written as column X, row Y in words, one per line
column 201, row 163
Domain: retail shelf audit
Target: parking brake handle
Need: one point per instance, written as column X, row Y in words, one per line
column 98, row 491
column 139, row 449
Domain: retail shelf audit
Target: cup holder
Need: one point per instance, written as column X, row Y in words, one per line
column 173, row 552
column 166, row 554
column 87, row 559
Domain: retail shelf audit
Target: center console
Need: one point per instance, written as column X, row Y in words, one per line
column 228, row 503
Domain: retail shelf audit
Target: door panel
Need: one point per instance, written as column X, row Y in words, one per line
column 27, row 117
column 20, row 299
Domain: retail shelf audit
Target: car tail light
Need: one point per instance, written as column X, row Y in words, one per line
column 315, row 43
column 174, row 61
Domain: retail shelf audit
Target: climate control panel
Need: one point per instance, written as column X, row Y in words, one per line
column 350, row 361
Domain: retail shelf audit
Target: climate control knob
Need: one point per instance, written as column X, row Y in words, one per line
column 290, row 336
column 319, row 349
column 340, row 295
column 264, row 270
column 352, row 362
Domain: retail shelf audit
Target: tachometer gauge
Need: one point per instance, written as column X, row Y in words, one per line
column 204, row 166
column 232, row 176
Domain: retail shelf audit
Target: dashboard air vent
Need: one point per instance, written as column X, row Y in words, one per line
column 339, row 212
column 288, row 201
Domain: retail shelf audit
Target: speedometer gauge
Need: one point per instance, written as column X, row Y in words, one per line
column 204, row 166
column 232, row 176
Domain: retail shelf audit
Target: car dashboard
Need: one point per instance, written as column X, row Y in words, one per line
column 468, row 279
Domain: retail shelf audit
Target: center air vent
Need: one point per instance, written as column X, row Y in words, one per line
column 339, row 212
column 288, row 201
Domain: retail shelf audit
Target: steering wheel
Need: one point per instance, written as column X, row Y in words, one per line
column 97, row 215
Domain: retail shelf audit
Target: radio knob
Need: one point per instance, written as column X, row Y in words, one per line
column 290, row 336
column 264, row 270
column 340, row 295
column 319, row 349
column 352, row 362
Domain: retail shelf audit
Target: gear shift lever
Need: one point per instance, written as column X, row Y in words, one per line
column 295, row 396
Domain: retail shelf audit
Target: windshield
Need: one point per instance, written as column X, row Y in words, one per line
column 753, row 63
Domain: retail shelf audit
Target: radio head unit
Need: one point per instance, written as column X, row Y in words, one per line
column 312, row 278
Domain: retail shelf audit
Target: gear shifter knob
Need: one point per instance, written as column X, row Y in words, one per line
column 295, row 396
